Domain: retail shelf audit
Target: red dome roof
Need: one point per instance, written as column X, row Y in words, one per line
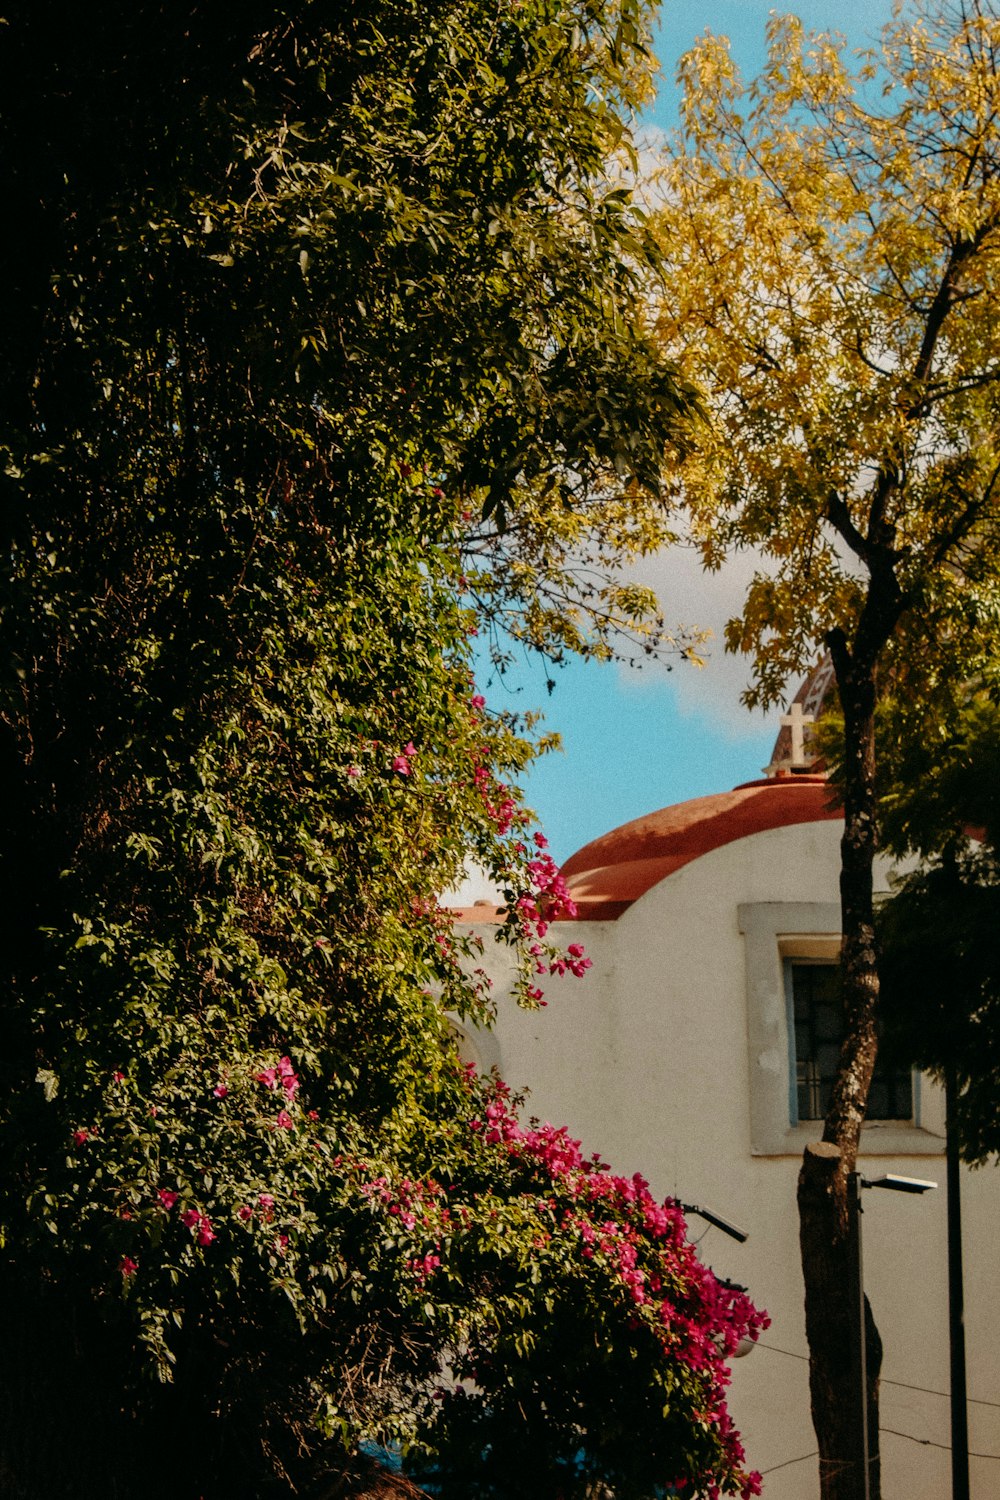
column 607, row 875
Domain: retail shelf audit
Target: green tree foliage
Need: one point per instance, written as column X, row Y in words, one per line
column 941, row 987
column 296, row 294
column 830, row 230
column 939, row 771
column 939, row 965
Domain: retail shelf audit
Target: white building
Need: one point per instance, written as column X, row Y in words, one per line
column 695, row 1051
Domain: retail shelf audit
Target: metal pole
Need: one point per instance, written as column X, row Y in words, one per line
column 854, row 1212
column 956, row 1311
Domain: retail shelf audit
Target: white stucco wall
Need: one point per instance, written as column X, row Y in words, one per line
column 647, row 1060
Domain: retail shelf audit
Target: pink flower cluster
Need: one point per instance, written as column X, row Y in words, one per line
column 643, row 1243
column 547, row 901
column 504, row 810
column 282, row 1076
column 573, row 961
column 553, row 898
column 411, row 1201
column 613, row 1223
column 201, row 1223
column 401, row 762
column 418, row 1206
column 423, row 1266
column 265, row 1206
column 192, row 1218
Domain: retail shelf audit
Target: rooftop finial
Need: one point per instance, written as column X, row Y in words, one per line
column 792, row 754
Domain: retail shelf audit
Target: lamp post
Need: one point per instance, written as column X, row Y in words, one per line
column 956, row 1310
column 711, row 1217
column 855, row 1182
column 734, row 1232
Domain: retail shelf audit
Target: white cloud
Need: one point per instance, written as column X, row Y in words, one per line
column 706, row 601
column 652, row 148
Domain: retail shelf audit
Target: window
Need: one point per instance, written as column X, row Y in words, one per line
column 816, row 1028
column 906, row 1114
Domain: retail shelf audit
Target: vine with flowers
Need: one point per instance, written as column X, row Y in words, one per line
column 278, row 342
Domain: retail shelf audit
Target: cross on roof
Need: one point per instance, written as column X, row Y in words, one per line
column 797, row 721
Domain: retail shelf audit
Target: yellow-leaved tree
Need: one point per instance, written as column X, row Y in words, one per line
column 832, row 232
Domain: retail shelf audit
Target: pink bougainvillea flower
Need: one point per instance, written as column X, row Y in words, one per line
column 127, row 1266
column 244, row 1212
column 118, row 1076
column 167, row 1197
column 354, row 772
column 220, row 1091
column 479, row 701
column 284, row 1120
column 206, row 1234
column 425, row 1266
column 190, row 1217
column 81, row 1135
column 289, row 1082
column 268, row 1077
column 409, row 749
column 401, row 765
column 265, row 1200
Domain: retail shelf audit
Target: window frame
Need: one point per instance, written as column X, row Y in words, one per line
column 773, row 932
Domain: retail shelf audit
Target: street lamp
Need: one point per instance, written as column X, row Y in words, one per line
column 900, row 1184
column 735, row 1233
column 711, row 1217
column 855, row 1182
column 956, row 1296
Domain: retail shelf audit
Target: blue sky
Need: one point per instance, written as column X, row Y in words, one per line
column 637, row 740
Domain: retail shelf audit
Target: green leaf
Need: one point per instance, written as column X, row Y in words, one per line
column 50, row 1083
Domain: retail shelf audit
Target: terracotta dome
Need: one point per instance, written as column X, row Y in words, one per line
column 607, row 875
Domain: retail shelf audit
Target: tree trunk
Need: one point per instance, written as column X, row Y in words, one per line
column 831, row 1312
column 827, row 1251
